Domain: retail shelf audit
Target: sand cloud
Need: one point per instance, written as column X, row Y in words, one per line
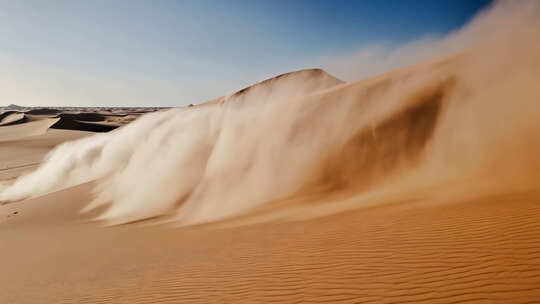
column 306, row 133
column 501, row 19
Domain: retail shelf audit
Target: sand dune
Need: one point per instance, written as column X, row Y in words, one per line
column 12, row 119
column 419, row 185
column 306, row 134
column 316, row 79
column 90, row 126
column 39, row 127
column 79, row 119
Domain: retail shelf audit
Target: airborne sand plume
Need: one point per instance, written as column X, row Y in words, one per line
column 469, row 122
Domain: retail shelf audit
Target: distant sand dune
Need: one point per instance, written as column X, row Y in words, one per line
column 33, row 128
column 12, row 119
column 90, row 126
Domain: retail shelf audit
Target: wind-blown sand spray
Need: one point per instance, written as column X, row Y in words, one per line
column 466, row 125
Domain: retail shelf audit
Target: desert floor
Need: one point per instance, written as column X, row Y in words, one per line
column 484, row 251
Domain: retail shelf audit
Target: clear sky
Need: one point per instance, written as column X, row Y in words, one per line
column 173, row 53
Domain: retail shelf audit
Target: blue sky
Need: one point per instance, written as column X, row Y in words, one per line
column 173, row 53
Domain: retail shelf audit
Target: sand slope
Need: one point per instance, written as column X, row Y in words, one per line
column 483, row 251
column 33, row 128
column 12, row 119
column 23, row 154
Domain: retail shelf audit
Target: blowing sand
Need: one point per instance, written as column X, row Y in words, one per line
column 420, row 185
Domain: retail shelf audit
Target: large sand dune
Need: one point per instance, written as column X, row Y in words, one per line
column 420, row 185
